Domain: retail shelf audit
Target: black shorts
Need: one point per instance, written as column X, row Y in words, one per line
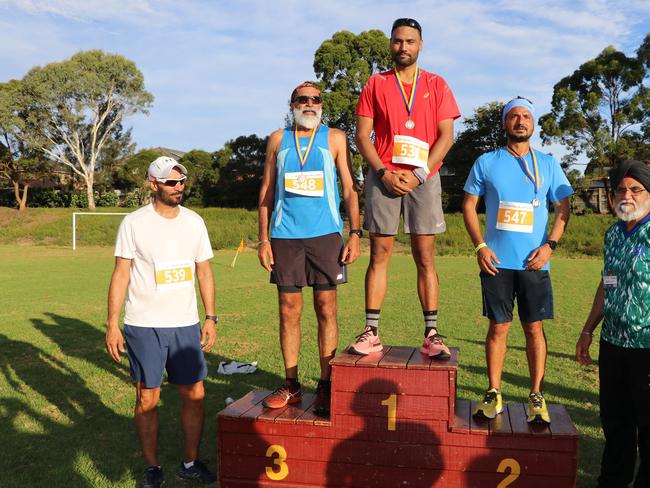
column 532, row 289
column 314, row 262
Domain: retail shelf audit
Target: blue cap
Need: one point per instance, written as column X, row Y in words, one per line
column 517, row 102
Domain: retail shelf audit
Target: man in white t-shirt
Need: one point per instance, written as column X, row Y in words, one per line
column 161, row 250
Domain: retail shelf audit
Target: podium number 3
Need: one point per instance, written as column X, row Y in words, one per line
column 279, row 461
column 514, row 468
column 391, row 403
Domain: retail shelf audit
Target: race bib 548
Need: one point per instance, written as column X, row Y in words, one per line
column 306, row 183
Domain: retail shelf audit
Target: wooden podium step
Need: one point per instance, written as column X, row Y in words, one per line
column 395, row 421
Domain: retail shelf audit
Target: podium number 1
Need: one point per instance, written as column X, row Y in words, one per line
column 391, row 403
column 279, row 461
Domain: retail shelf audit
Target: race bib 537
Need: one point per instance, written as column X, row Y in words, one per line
column 410, row 150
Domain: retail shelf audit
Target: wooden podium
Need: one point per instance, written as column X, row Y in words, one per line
column 395, row 422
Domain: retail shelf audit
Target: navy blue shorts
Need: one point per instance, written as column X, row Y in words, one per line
column 152, row 350
column 532, row 289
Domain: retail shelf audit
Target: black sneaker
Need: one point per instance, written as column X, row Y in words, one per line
column 323, row 399
column 153, row 477
column 198, row 472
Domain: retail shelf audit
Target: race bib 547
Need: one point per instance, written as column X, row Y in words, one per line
column 515, row 217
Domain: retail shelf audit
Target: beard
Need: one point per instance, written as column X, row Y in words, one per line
column 403, row 62
column 173, row 199
column 514, row 137
column 629, row 210
column 308, row 121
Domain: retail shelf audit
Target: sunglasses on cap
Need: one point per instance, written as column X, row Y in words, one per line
column 303, row 99
column 523, row 98
column 171, row 182
column 406, row 22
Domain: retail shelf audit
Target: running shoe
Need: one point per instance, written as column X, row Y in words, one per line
column 197, row 472
column 537, row 411
column 323, row 399
column 366, row 343
column 284, row 395
column 152, row 477
column 434, row 347
column 491, row 406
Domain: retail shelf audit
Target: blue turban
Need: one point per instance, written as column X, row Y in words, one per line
column 516, row 102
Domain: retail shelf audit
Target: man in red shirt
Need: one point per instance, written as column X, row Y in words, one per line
column 412, row 114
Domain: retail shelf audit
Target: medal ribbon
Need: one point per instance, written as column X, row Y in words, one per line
column 533, row 177
column 303, row 158
column 408, row 103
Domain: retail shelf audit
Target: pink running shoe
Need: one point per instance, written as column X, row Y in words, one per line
column 366, row 343
column 434, row 347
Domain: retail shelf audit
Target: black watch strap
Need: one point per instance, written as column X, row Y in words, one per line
column 212, row 317
column 358, row 232
column 552, row 244
column 380, row 173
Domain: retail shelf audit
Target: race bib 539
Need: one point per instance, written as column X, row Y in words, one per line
column 174, row 275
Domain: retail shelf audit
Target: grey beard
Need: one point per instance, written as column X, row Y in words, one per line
column 306, row 121
column 629, row 215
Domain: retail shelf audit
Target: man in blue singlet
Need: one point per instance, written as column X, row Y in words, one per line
column 518, row 184
column 300, row 233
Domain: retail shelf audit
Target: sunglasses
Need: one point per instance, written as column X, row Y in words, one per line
column 171, row 183
column 303, row 99
column 524, row 98
column 406, row 22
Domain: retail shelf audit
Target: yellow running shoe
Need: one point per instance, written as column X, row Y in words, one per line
column 491, row 406
column 537, row 411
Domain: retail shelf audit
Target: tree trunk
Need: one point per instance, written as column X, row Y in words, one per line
column 21, row 200
column 90, row 193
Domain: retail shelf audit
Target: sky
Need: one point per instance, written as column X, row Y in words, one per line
column 221, row 69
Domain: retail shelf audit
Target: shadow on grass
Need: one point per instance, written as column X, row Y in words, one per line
column 550, row 353
column 77, row 425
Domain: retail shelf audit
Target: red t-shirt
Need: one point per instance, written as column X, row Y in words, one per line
column 382, row 101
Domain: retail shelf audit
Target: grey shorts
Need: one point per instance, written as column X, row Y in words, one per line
column 421, row 208
column 314, row 262
column 151, row 350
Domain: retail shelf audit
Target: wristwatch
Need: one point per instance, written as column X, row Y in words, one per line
column 380, row 173
column 214, row 318
column 358, row 232
column 551, row 243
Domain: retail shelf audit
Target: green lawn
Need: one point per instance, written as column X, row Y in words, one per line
column 65, row 408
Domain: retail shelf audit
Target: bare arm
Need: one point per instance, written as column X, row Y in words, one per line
column 114, row 339
column 390, row 180
column 540, row 256
column 594, row 318
column 206, row 289
column 266, row 200
column 485, row 256
column 341, row 152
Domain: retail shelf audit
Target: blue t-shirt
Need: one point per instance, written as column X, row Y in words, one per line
column 302, row 215
column 501, row 179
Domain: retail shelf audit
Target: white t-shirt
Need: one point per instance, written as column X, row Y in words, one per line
column 163, row 255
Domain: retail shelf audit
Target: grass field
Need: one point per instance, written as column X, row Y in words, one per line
column 66, row 409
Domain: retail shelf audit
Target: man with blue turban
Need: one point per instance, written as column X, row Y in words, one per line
column 518, row 184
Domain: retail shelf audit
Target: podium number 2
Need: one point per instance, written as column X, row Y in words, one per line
column 279, row 461
column 515, row 469
column 391, row 403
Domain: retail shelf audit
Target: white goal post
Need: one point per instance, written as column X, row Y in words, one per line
column 74, row 223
